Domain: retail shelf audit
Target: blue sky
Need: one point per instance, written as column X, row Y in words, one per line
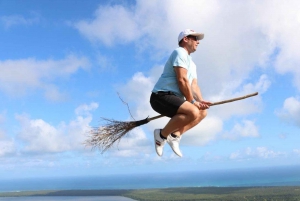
column 63, row 63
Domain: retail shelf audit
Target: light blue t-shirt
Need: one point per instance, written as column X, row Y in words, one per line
column 168, row 79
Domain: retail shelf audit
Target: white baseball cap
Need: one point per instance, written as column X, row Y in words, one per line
column 187, row 32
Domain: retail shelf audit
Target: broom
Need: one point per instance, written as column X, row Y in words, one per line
column 104, row 137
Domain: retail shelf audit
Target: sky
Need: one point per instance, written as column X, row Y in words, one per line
column 66, row 64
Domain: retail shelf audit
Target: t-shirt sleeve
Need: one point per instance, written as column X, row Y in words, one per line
column 179, row 59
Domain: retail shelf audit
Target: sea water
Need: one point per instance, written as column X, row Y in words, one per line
column 67, row 198
column 276, row 176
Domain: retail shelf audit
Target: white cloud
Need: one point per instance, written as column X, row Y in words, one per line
column 290, row 112
column 14, row 20
column 134, row 144
column 2, row 133
column 85, row 109
column 111, row 25
column 137, row 91
column 246, row 129
column 241, row 107
column 19, row 76
column 296, row 151
column 258, row 152
column 41, row 137
column 52, row 93
column 280, row 23
column 204, row 132
column 261, row 86
column 2, row 120
column 105, row 63
column 237, row 40
column 7, row 147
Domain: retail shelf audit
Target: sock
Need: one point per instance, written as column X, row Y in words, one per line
column 162, row 137
column 173, row 135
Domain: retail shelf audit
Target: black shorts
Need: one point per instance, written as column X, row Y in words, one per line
column 166, row 103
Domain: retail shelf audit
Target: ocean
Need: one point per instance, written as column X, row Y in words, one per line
column 67, row 198
column 275, row 176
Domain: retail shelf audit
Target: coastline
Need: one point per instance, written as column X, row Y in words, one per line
column 190, row 193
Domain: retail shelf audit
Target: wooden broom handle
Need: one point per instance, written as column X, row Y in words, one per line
column 215, row 103
column 234, row 99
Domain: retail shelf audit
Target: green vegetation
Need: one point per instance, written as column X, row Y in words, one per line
column 195, row 193
column 217, row 194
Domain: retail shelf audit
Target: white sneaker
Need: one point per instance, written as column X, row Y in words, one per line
column 174, row 144
column 159, row 142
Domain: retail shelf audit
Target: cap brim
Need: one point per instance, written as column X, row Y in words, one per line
column 200, row 36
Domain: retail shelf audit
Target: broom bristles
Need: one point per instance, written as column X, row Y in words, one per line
column 104, row 137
